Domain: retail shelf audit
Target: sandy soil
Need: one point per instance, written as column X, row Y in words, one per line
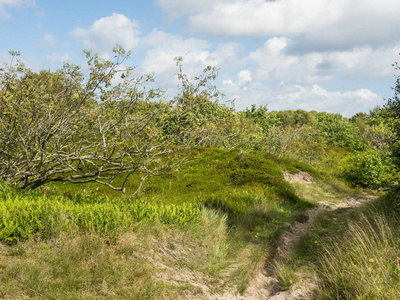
column 262, row 286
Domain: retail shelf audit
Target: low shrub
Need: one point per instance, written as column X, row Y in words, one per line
column 370, row 169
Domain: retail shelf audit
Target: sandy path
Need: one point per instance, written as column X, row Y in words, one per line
column 262, row 286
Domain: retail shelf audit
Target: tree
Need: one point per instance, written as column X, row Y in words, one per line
column 101, row 127
column 259, row 115
column 197, row 108
column 391, row 115
column 294, row 117
column 338, row 131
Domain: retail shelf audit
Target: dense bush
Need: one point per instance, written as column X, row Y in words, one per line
column 371, row 168
column 338, row 131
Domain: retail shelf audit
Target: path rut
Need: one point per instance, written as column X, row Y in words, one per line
column 262, row 285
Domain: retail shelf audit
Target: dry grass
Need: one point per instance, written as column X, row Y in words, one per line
column 152, row 262
column 331, row 191
column 366, row 265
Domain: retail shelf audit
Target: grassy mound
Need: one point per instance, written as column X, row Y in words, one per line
column 218, row 216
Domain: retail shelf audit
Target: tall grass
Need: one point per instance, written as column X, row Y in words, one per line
column 365, row 265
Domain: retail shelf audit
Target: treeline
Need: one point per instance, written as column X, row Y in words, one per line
column 363, row 148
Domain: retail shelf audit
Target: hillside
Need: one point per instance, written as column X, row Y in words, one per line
column 205, row 230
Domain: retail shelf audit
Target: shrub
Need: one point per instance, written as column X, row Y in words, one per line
column 371, row 169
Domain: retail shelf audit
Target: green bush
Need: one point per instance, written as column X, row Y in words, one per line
column 371, row 169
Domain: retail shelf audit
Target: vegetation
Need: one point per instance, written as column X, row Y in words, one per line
column 204, row 189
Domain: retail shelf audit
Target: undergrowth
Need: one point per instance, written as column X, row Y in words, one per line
column 217, row 217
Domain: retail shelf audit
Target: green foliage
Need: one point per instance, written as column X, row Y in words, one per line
column 391, row 116
column 93, row 127
column 361, row 120
column 259, row 116
column 228, row 181
column 371, row 168
column 294, row 117
column 26, row 214
column 339, row 131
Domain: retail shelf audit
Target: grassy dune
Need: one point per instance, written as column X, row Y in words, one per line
column 202, row 230
column 214, row 220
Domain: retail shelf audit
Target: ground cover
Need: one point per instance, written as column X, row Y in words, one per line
column 213, row 221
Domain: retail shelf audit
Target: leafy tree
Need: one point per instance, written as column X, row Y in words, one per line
column 259, row 115
column 100, row 127
column 378, row 136
column 391, row 115
column 301, row 142
column 339, row 131
column 361, row 120
column 294, row 117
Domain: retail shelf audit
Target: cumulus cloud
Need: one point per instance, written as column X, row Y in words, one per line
column 272, row 61
column 57, row 60
column 196, row 53
column 244, row 76
column 178, row 8
column 13, row 3
column 106, row 32
column 319, row 24
column 273, row 76
column 306, row 97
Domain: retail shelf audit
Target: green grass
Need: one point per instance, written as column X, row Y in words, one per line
column 78, row 267
column 217, row 217
column 366, row 265
column 353, row 253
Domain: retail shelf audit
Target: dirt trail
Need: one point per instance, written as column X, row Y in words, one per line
column 262, row 285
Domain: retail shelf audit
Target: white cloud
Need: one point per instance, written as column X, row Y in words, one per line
column 306, row 97
column 106, row 32
column 197, row 54
column 320, row 23
column 178, row 8
column 56, row 60
column 365, row 61
column 13, row 3
column 244, row 76
column 272, row 61
column 272, row 76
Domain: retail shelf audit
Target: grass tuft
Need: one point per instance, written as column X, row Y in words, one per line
column 366, row 265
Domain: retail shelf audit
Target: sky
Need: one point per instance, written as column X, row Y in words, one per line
column 325, row 55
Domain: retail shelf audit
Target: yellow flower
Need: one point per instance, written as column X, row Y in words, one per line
column 291, row 281
column 371, row 260
column 316, row 242
column 190, row 249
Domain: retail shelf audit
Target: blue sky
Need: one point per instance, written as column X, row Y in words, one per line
column 326, row 55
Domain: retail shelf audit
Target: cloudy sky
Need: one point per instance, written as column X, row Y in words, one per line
column 326, row 55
